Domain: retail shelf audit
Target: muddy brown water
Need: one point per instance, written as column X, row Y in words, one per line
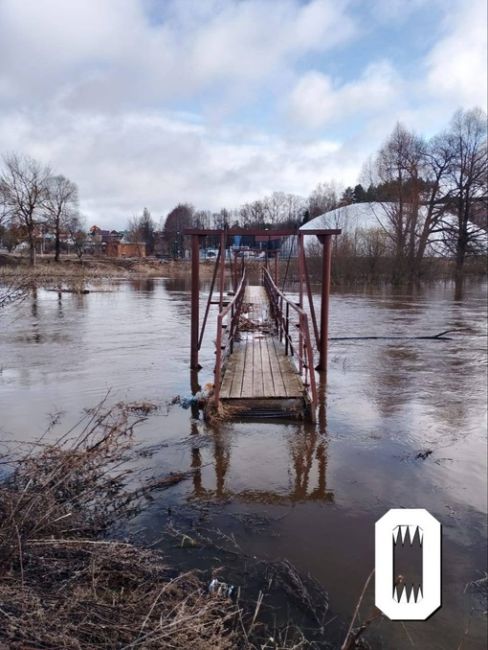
column 308, row 493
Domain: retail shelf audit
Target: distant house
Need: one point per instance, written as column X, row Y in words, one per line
column 124, row 248
column 104, row 240
column 161, row 245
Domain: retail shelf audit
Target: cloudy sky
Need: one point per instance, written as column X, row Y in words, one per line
column 217, row 102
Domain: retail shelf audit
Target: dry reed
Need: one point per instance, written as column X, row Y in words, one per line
column 63, row 583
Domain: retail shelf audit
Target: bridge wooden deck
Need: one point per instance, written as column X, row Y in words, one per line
column 259, row 379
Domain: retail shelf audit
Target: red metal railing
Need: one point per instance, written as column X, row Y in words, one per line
column 293, row 330
column 227, row 325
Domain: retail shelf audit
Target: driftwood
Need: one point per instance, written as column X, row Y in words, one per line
column 432, row 337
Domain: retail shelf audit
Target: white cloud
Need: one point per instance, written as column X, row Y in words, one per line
column 110, row 55
column 452, row 74
column 125, row 162
column 317, row 100
column 131, row 98
column 456, row 65
column 91, row 86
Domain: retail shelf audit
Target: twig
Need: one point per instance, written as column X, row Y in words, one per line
column 349, row 636
column 256, row 612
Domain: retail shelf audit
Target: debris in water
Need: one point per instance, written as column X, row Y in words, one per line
column 422, row 455
column 199, row 399
column 141, row 407
column 220, row 588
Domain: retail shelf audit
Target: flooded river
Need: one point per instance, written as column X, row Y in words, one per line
column 402, row 424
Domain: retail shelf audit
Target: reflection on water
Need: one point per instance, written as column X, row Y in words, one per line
column 142, row 284
column 322, row 486
column 307, row 471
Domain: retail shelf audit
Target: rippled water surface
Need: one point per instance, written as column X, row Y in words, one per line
column 318, row 488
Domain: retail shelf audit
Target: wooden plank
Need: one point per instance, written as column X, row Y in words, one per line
column 229, row 374
column 258, row 383
column 232, row 380
column 236, row 387
column 280, row 376
column 239, row 380
column 247, row 376
column 257, row 300
column 269, row 389
column 279, row 386
column 293, row 383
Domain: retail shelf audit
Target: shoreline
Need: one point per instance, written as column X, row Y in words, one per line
column 345, row 273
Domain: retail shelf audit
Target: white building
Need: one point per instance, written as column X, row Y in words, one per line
column 360, row 221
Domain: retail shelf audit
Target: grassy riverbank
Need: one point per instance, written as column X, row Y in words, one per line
column 96, row 267
column 346, row 270
column 67, row 579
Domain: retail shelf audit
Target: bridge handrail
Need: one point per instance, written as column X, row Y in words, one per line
column 304, row 350
column 222, row 350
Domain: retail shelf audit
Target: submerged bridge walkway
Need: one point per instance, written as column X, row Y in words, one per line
column 259, row 377
column 264, row 345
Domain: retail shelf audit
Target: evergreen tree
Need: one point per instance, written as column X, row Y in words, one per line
column 359, row 194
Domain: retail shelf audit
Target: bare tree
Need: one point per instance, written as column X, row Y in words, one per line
column 323, row 199
column 281, row 208
column 3, row 204
column 399, row 167
column 134, row 233
column 222, row 218
column 294, row 208
column 141, row 231
column 203, row 219
column 61, row 206
column 437, row 158
column 468, row 192
column 24, row 183
column 178, row 219
column 276, row 209
column 76, row 228
column 253, row 215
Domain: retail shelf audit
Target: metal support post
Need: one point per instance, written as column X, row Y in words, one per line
column 195, row 296
column 326, row 241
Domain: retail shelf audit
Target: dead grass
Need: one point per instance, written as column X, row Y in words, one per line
column 218, row 412
column 96, row 267
column 63, row 584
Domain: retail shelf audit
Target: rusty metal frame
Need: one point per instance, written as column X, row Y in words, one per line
column 227, row 330
column 326, row 241
column 209, row 300
column 325, row 237
column 262, row 232
column 281, row 310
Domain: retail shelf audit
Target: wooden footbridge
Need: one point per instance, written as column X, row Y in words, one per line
column 265, row 340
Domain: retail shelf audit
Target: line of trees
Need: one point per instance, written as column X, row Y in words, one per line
column 434, row 189
column 34, row 201
column 428, row 189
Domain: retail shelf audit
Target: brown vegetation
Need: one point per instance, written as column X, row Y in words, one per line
column 63, row 583
column 17, row 277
